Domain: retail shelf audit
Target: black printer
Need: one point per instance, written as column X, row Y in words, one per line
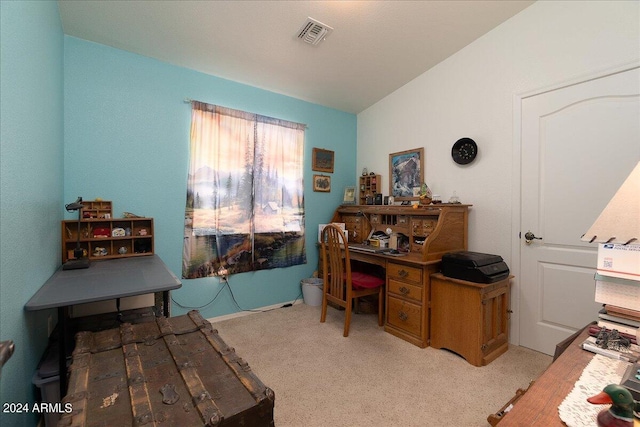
column 474, row 267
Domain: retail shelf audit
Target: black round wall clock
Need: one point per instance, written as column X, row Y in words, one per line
column 464, row 151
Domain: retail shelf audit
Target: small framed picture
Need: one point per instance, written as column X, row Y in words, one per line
column 349, row 196
column 322, row 183
column 322, row 160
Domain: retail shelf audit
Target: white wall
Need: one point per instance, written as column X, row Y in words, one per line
column 472, row 94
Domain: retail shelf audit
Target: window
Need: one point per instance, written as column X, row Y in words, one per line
column 245, row 201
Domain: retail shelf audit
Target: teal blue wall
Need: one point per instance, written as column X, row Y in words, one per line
column 31, row 183
column 126, row 140
column 82, row 119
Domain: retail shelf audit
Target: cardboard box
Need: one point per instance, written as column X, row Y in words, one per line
column 379, row 243
column 616, row 260
column 619, row 292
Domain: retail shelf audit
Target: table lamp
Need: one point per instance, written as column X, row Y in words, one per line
column 619, row 223
column 80, row 260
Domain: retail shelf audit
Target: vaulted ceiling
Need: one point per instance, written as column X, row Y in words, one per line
column 375, row 47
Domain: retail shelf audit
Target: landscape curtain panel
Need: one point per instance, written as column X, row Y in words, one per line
column 245, row 200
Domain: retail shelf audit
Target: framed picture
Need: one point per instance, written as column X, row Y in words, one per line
column 322, row 183
column 322, row 160
column 406, row 171
column 349, row 196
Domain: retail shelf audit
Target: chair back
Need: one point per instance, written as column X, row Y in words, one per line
column 336, row 265
column 341, row 286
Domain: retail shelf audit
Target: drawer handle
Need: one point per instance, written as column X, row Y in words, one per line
column 404, row 290
column 403, row 316
column 403, row 273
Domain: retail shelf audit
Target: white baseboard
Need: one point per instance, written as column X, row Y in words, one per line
column 254, row 311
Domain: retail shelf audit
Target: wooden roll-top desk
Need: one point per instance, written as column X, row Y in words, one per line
column 427, row 233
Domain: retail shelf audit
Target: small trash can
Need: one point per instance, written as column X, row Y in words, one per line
column 47, row 379
column 312, row 291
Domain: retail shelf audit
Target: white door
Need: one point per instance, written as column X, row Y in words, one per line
column 579, row 143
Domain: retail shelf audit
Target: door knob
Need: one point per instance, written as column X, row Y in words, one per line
column 529, row 237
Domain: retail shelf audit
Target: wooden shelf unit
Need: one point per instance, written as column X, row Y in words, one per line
column 137, row 241
column 370, row 185
column 97, row 209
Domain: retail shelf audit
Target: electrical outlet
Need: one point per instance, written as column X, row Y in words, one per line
column 222, row 274
column 49, row 325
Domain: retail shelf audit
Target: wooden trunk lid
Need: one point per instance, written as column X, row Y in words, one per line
column 172, row 372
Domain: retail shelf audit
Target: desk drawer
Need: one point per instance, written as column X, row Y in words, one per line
column 354, row 227
column 404, row 315
column 405, row 289
column 405, row 273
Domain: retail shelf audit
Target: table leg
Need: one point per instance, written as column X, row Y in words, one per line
column 165, row 303
column 63, row 324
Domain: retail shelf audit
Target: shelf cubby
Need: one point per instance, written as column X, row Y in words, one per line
column 132, row 237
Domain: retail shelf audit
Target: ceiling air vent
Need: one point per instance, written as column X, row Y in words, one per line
column 314, row 32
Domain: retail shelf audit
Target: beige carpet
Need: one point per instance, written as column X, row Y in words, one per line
column 370, row 378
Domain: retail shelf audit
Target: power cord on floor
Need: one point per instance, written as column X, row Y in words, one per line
column 198, row 307
column 225, row 280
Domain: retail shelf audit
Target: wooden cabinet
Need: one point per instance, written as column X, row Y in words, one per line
column 108, row 238
column 470, row 319
column 370, row 185
column 94, row 209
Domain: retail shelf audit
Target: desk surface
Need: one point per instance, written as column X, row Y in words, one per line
column 382, row 258
column 539, row 405
column 104, row 280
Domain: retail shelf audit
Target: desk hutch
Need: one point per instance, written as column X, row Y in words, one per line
column 430, row 232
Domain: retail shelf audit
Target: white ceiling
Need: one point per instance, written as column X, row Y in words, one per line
column 375, row 48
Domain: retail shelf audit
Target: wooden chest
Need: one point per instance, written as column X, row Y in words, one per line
column 172, row 372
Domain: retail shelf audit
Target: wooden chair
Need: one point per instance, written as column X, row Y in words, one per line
column 341, row 285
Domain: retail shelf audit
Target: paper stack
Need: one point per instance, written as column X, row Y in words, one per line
column 618, row 288
column 624, row 320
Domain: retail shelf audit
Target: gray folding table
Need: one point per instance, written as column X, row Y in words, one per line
column 103, row 280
